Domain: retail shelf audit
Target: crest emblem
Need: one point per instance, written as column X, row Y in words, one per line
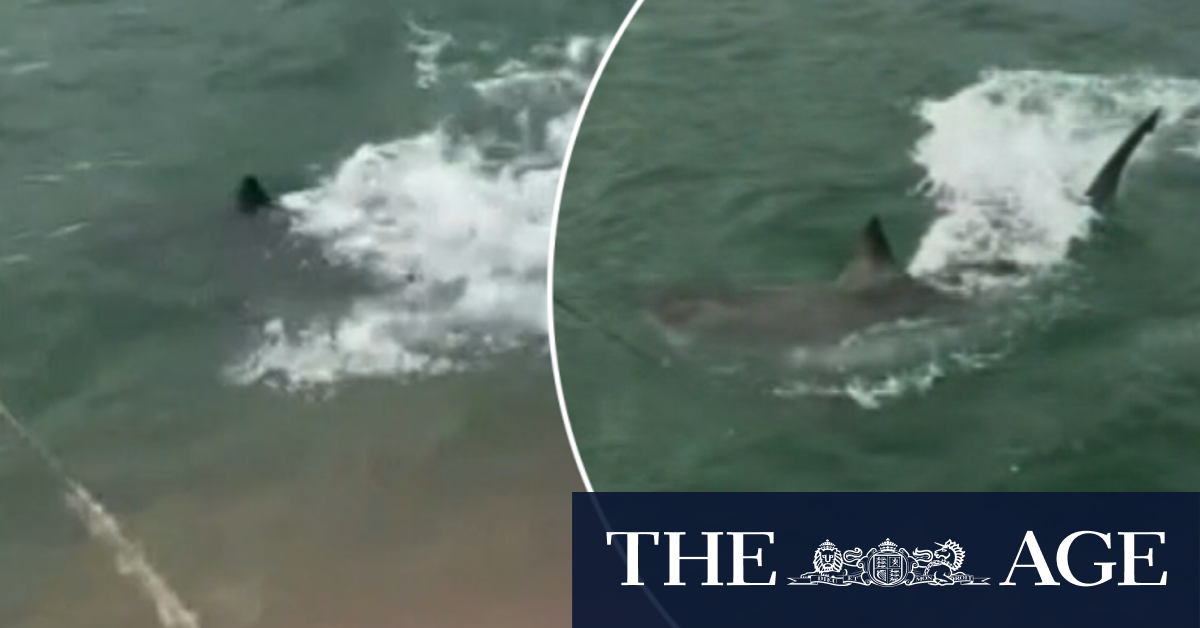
column 888, row 565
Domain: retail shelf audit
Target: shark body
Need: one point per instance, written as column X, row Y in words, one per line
column 872, row 290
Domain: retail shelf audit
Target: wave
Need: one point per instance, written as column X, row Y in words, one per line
column 453, row 225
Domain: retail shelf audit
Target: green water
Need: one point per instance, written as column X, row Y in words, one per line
column 744, row 144
column 334, row 481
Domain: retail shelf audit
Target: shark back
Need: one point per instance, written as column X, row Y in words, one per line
column 871, row 290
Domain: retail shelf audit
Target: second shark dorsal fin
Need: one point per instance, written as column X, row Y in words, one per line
column 1103, row 190
column 873, row 260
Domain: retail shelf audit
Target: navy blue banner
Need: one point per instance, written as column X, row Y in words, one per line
column 686, row 560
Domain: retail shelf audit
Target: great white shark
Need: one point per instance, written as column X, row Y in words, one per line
column 872, row 290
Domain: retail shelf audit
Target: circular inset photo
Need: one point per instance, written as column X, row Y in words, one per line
column 876, row 246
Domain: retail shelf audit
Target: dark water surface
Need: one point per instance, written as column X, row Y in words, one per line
column 739, row 144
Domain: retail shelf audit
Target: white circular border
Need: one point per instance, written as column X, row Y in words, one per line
column 562, row 181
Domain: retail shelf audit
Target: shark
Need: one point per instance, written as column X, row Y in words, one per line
column 873, row 289
column 251, row 198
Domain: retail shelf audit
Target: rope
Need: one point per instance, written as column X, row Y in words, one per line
column 131, row 561
column 606, row 332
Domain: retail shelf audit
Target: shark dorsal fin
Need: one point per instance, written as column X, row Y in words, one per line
column 251, row 196
column 873, row 261
column 1103, row 190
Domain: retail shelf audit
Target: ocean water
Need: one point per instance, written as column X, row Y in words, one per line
column 736, row 145
column 341, row 413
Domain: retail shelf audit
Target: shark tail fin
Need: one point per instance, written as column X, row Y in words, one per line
column 251, row 196
column 874, row 259
column 1103, row 190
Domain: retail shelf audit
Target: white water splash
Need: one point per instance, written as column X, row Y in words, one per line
column 869, row 394
column 427, row 45
column 1008, row 158
column 1006, row 162
column 458, row 237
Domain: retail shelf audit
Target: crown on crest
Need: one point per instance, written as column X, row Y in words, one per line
column 888, row 546
column 826, row 546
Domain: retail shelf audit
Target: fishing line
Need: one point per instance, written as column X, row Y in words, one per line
column 606, row 331
column 131, row 560
column 616, row 337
